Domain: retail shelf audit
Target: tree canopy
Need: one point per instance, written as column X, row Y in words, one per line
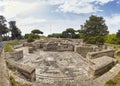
column 16, row 33
column 36, row 31
column 95, row 27
column 3, row 26
column 118, row 34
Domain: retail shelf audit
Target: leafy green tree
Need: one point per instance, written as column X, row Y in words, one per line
column 111, row 39
column 56, row 35
column 68, row 33
column 81, row 33
column 16, row 33
column 34, row 36
column 118, row 34
column 36, row 31
column 95, row 27
column 3, row 26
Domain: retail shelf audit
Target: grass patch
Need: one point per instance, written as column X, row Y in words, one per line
column 115, row 81
column 8, row 48
column 14, row 83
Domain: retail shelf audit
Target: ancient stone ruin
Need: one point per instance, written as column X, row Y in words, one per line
column 50, row 62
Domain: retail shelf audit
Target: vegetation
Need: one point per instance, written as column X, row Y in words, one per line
column 68, row 33
column 8, row 48
column 33, row 35
column 14, row 83
column 111, row 39
column 36, row 31
column 30, row 39
column 3, row 26
column 16, row 33
column 95, row 30
column 115, row 81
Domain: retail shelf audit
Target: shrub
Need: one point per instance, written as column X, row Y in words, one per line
column 5, row 38
column 95, row 40
column 30, row 39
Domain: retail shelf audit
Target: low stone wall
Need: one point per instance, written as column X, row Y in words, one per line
column 117, row 53
column 4, row 77
column 18, row 46
column 101, row 65
column 83, row 50
column 93, row 55
column 27, row 71
column 50, row 46
column 65, row 47
column 58, row 47
column 16, row 55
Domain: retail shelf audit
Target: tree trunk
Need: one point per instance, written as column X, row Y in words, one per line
column 0, row 37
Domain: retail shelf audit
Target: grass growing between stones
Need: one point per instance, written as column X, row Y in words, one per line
column 14, row 83
column 115, row 81
column 8, row 48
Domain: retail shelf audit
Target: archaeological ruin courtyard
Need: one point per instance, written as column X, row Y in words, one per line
column 62, row 62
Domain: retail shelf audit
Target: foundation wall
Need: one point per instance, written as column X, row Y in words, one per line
column 17, row 55
column 93, row 55
column 14, row 65
column 83, row 50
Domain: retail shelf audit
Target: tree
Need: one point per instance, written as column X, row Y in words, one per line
column 56, row 35
column 68, row 33
column 111, row 39
column 36, row 31
column 3, row 26
column 81, row 33
column 118, row 34
column 94, row 27
column 16, row 33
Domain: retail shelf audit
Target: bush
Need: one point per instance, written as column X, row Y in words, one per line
column 34, row 36
column 112, row 39
column 95, row 40
column 5, row 38
column 30, row 39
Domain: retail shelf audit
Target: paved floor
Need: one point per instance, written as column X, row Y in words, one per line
column 63, row 66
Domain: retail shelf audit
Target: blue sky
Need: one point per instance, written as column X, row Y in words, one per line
column 54, row 16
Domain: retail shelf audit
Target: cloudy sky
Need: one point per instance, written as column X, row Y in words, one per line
column 56, row 15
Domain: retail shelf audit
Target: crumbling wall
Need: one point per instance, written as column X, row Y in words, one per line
column 18, row 46
column 65, row 47
column 50, row 46
column 83, row 50
column 27, row 71
column 101, row 65
column 16, row 55
column 4, row 77
column 93, row 55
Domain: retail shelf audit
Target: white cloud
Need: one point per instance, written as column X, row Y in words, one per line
column 12, row 8
column 113, row 23
column 79, row 6
column 29, row 21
